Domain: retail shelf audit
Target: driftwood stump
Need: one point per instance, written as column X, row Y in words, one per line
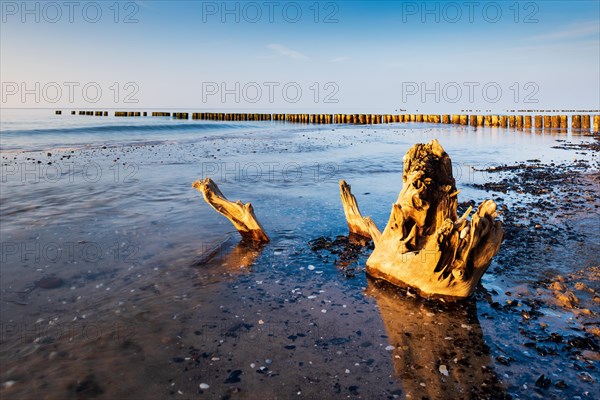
column 357, row 224
column 241, row 215
column 425, row 245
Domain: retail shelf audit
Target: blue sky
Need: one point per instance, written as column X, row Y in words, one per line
column 344, row 56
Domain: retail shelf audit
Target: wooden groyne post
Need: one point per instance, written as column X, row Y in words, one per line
column 583, row 122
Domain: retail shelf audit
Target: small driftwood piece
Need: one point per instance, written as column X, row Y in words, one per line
column 357, row 224
column 241, row 215
column 425, row 245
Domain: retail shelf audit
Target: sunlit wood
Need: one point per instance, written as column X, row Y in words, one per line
column 241, row 215
column 357, row 224
column 425, row 245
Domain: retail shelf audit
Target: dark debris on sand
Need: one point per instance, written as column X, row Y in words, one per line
column 550, row 216
column 346, row 252
column 546, row 195
column 591, row 146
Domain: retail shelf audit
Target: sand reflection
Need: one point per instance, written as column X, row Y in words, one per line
column 439, row 351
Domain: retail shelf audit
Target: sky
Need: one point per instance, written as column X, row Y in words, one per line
column 297, row 56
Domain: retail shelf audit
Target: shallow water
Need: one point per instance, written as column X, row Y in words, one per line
column 155, row 295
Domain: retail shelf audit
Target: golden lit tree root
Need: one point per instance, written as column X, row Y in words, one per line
column 357, row 224
column 241, row 215
column 425, row 245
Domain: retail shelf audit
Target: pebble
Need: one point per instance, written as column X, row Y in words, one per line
column 503, row 360
column 49, row 282
column 204, row 386
column 311, row 267
column 390, row 348
column 560, row 384
column 591, row 355
column 323, row 311
column 586, row 377
column 234, row 376
column 443, row 370
column 543, row 381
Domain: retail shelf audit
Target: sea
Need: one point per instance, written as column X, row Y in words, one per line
column 118, row 281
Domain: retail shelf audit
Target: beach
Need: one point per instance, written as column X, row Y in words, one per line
column 119, row 281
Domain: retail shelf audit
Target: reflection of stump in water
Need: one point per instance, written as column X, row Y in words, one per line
column 223, row 257
column 439, row 349
column 243, row 255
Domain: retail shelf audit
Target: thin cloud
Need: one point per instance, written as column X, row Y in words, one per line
column 580, row 30
column 284, row 51
column 339, row 59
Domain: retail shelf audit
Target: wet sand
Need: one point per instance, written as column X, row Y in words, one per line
column 152, row 296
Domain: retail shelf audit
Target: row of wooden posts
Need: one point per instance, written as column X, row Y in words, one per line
column 582, row 122
column 96, row 113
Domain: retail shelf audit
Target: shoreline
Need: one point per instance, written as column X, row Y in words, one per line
column 169, row 324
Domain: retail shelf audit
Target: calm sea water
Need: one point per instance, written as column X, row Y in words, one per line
column 104, row 206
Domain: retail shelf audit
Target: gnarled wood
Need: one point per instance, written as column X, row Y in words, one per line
column 241, row 215
column 373, row 230
column 425, row 244
column 357, row 224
